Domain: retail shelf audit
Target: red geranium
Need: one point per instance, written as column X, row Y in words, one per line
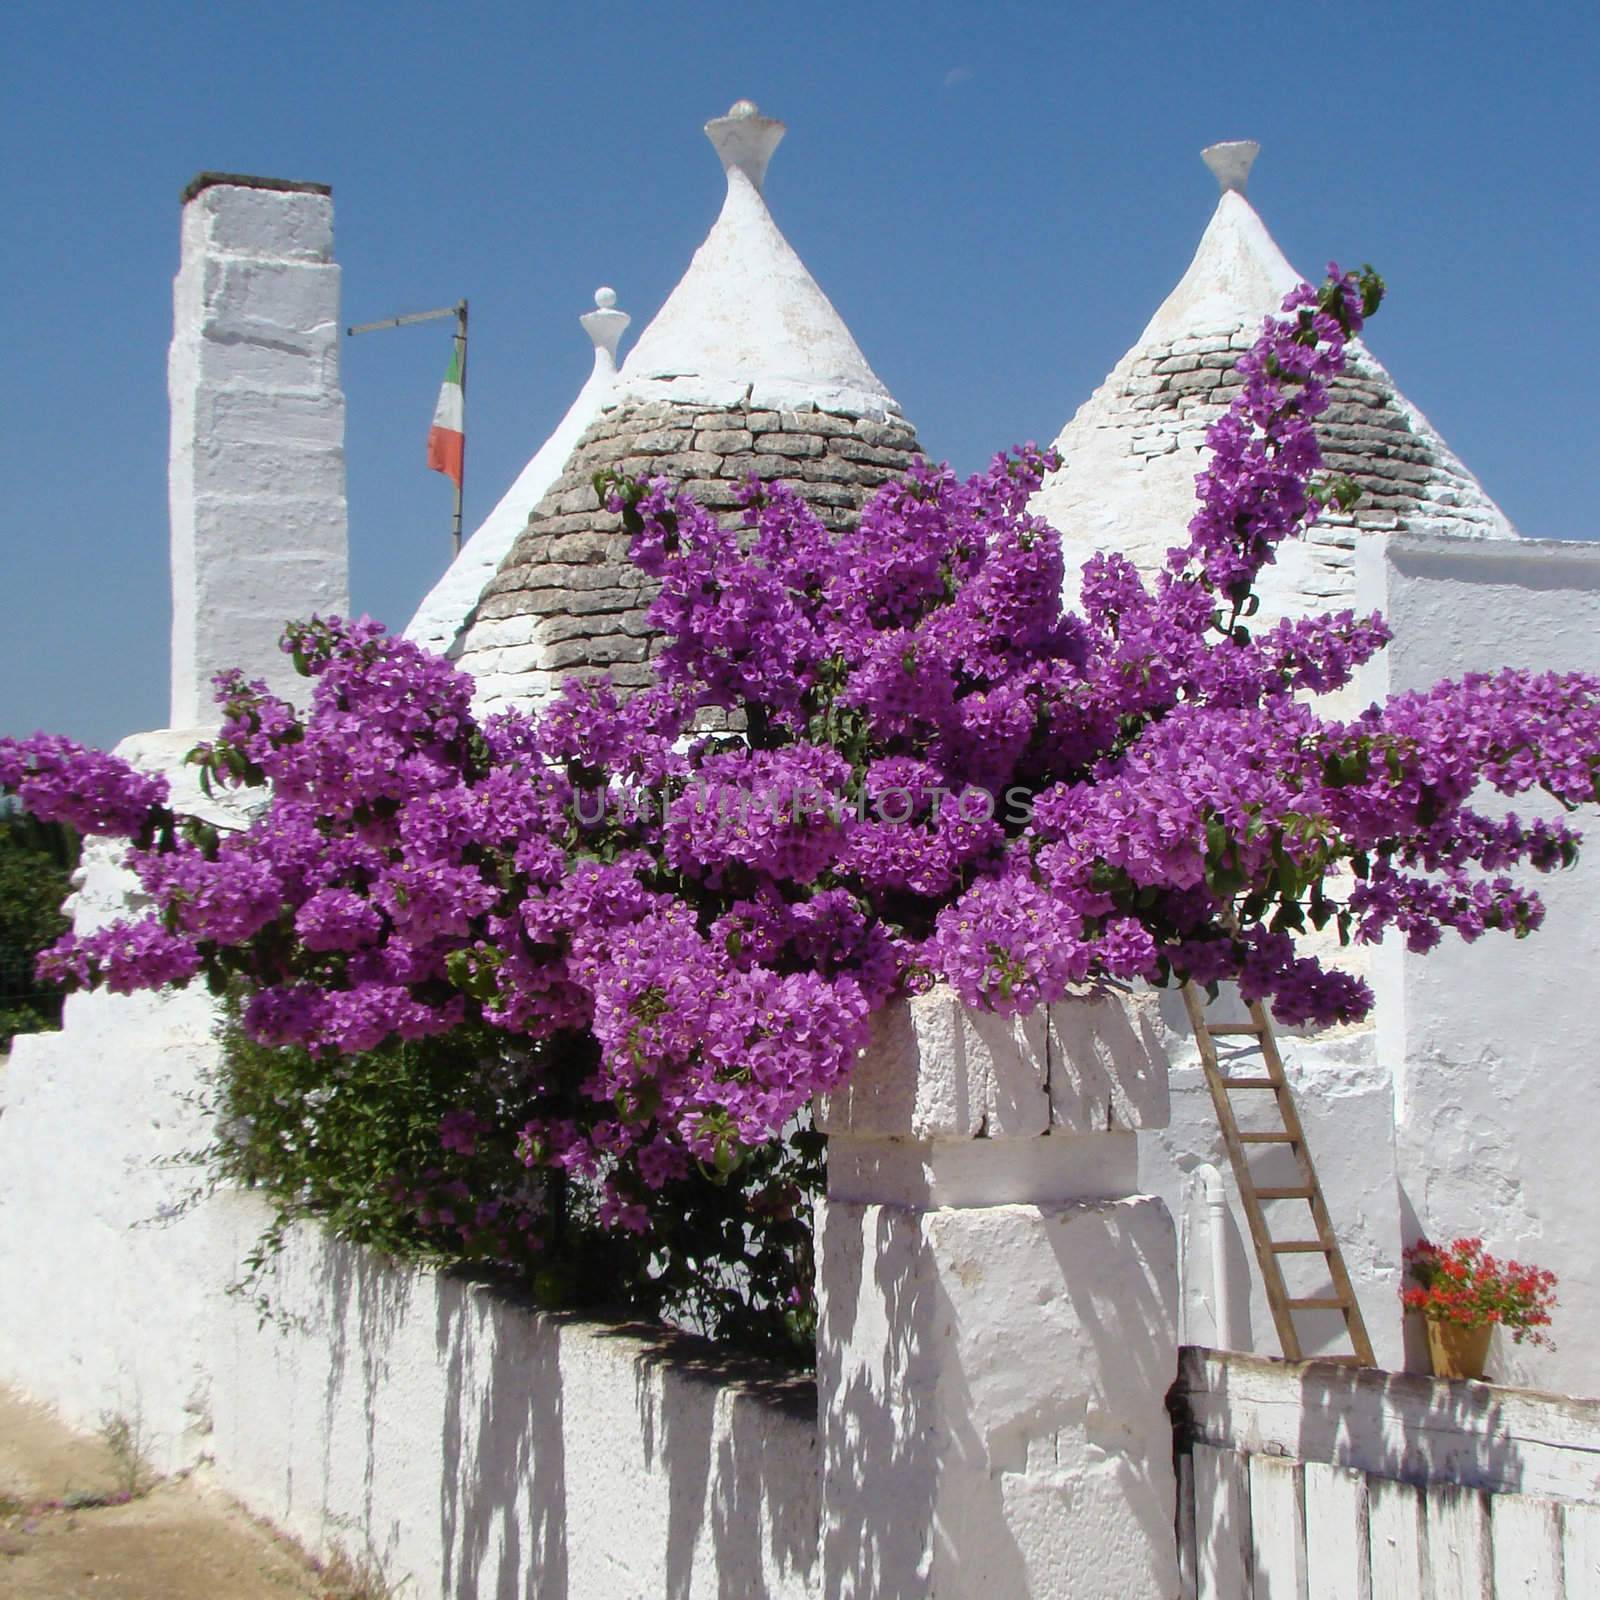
column 1466, row 1285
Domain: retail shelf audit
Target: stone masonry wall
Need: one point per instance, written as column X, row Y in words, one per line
column 1134, row 449
column 567, row 600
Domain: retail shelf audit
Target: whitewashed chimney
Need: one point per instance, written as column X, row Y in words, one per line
column 256, row 472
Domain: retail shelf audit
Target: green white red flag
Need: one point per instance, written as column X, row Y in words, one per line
column 447, row 438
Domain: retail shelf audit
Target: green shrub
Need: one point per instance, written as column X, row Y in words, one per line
column 36, row 863
column 354, row 1142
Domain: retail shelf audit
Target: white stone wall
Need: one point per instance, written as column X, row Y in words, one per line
column 469, row 1443
column 256, row 471
column 1466, row 1107
column 1489, row 1044
column 476, row 1447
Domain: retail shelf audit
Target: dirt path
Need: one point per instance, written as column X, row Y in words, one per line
column 69, row 1530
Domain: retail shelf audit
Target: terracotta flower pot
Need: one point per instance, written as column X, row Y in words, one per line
column 1456, row 1351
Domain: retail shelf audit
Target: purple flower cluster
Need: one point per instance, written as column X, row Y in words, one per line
column 690, row 930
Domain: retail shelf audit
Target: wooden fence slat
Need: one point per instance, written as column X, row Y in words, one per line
column 1580, row 1551
column 1222, row 1523
column 1455, row 1547
column 1394, row 1538
column 1188, row 1582
column 1525, row 1533
column 1277, row 1529
column 1338, row 1565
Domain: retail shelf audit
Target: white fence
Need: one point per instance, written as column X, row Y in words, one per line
column 1304, row 1481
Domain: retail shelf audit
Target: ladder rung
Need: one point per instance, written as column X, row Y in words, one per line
column 1235, row 1027
column 1316, row 1303
column 1251, row 1083
column 1305, row 1246
column 1267, row 1138
column 1284, row 1194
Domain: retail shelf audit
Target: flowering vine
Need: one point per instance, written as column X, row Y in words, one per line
column 937, row 770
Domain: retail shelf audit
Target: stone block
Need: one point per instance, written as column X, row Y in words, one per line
column 685, row 464
column 595, row 652
column 822, row 423
column 247, row 416
column 578, row 500
column 887, row 435
column 660, row 441
column 792, row 444
column 764, row 466
column 283, row 303
column 991, row 1390
column 263, row 472
column 1204, row 378
column 1108, row 1064
column 724, row 441
column 937, row 1070
column 290, row 226
column 510, row 632
column 559, row 629
column 580, row 547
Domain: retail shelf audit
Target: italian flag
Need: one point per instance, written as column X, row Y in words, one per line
column 447, row 438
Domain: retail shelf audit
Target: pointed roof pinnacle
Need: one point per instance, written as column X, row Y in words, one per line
column 745, row 140
column 605, row 325
column 1230, row 162
column 1238, row 275
column 747, row 322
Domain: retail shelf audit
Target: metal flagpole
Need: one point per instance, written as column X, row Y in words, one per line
column 461, row 355
column 459, row 312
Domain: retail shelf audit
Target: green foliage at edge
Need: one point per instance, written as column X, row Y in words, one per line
column 36, row 864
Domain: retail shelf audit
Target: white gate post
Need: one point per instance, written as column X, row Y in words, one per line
column 997, row 1312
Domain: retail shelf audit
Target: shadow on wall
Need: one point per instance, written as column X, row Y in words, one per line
column 569, row 1458
column 959, row 1458
column 880, row 1429
column 503, row 1447
column 1133, row 1335
column 705, row 1422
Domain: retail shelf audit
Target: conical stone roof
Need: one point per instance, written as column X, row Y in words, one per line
column 1131, row 453
column 747, row 369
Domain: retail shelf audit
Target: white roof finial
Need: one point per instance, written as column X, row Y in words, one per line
column 1230, row 162
column 605, row 325
column 745, row 140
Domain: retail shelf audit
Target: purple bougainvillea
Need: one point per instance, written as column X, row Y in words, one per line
column 943, row 772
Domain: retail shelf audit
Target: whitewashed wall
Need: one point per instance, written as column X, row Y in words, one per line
column 480, row 1448
column 1346, row 1103
column 1465, row 1109
column 1490, row 1045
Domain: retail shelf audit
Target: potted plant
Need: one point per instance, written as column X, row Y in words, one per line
column 1465, row 1294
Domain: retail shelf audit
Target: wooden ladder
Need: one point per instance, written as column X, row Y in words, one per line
column 1251, row 1194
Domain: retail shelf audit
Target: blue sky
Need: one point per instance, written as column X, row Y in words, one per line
column 995, row 196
